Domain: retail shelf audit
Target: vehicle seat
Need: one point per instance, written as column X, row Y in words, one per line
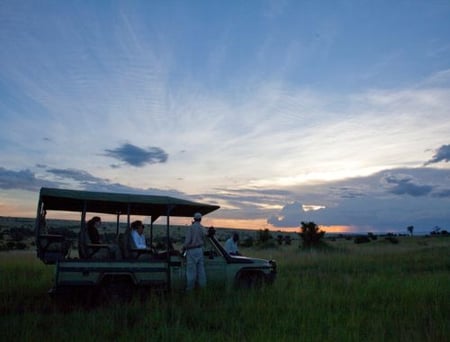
column 88, row 250
column 129, row 250
column 125, row 241
column 52, row 247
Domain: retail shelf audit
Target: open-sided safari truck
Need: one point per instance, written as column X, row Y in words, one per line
column 94, row 270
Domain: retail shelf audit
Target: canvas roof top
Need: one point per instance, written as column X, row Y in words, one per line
column 123, row 203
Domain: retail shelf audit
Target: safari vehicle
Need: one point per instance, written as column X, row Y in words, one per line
column 78, row 266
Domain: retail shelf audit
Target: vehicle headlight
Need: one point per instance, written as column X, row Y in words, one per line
column 273, row 263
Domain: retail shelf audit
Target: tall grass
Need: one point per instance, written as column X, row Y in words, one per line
column 373, row 292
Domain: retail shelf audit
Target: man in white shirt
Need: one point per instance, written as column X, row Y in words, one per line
column 193, row 244
column 137, row 233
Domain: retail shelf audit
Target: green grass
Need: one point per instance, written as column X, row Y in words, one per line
column 369, row 292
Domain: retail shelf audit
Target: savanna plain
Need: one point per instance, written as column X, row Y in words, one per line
column 376, row 291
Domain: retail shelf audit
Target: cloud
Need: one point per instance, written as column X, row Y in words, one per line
column 404, row 185
column 417, row 196
column 24, row 180
column 74, row 174
column 85, row 180
column 407, row 196
column 76, row 179
column 137, row 156
column 442, row 193
column 442, row 154
column 290, row 216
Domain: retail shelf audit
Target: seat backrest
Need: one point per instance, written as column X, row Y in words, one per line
column 127, row 245
column 83, row 242
column 52, row 248
column 121, row 244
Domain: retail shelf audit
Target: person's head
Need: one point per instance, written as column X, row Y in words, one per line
column 138, row 226
column 235, row 237
column 96, row 221
column 197, row 217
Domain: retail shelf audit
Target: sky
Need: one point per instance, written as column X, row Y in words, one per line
column 281, row 112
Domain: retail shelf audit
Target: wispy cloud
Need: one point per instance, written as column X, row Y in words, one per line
column 76, row 175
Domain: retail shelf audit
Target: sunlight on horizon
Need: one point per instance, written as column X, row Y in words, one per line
column 238, row 224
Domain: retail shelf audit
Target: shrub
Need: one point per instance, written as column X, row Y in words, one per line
column 280, row 239
column 264, row 235
column 372, row 236
column 287, row 240
column 361, row 239
column 247, row 242
column 392, row 239
column 311, row 234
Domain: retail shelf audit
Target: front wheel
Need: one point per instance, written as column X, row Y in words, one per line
column 250, row 280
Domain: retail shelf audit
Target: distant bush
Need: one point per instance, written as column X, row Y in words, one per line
column 311, row 234
column 287, row 240
column 264, row 235
column 392, row 239
column 361, row 239
column 280, row 239
column 372, row 236
column 247, row 241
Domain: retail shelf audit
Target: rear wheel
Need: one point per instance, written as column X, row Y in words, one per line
column 115, row 291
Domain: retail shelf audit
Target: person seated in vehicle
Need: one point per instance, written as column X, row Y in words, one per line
column 97, row 248
column 137, row 233
column 137, row 245
column 231, row 245
column 92, row 228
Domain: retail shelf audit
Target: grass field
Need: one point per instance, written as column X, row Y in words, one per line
column 347, row 292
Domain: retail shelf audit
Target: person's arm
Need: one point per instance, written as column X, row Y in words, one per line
column 188, row 238
column 228, row 247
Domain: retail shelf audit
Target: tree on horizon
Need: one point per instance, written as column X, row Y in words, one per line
column 311, row 234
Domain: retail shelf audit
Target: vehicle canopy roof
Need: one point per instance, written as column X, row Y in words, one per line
column 121, row 203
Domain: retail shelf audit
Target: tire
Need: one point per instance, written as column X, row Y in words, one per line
column 250, row 280
column 113, row 292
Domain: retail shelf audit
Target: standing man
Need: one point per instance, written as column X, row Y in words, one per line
column 193, row 244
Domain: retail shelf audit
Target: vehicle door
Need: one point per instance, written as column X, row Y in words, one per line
column 215, row 264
